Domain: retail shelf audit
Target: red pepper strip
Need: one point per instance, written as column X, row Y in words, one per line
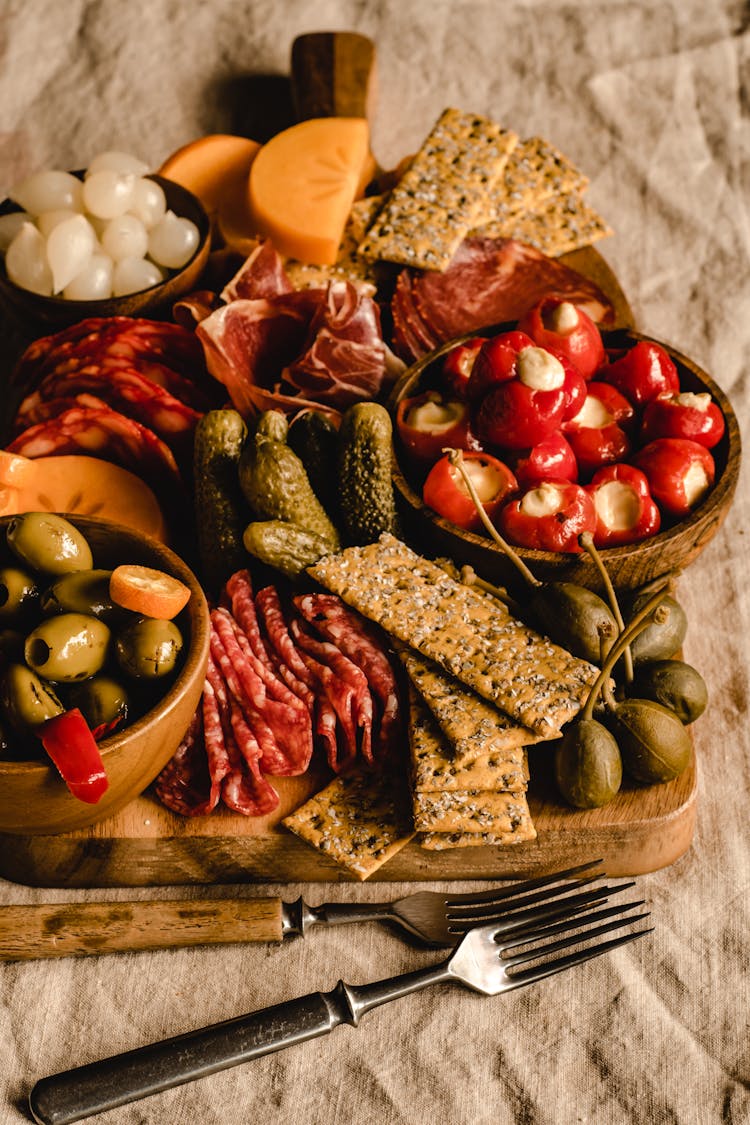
column 68, row 740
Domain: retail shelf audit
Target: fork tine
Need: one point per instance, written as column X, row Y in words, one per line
column 555, row 908
column 481, row 910
column 547, row 929
column 528, row 976
column 499, row 893
column 575, row 938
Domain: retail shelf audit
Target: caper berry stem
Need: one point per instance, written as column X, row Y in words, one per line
column 456, row 459
column 639, row 622
column 587, row 542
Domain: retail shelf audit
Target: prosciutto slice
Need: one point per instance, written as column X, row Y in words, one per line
column 262, row 275
column 491, row 281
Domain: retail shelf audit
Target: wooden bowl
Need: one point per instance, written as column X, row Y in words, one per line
column 33, row 798
column 629, row 566
column 56, row 312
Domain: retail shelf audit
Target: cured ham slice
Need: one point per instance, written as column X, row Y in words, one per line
column 345, row 361
column 261, row 275
column 292, row 348
column 247, row 344
column 491, row 281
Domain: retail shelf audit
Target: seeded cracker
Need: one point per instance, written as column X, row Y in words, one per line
column 535, row 171
column 441, row 841
column 437, row 200
column 471, row 636
column 355, row 821
column 434, row 769
column 557, row 226
column 475, row 730
column 502, row 814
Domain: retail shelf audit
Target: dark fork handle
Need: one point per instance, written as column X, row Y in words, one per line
column 99, row 1086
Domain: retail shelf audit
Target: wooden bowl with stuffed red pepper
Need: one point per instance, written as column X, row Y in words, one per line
column 104, row 640
column 626, row 438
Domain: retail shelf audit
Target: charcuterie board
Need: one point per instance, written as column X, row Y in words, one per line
column 144, row 844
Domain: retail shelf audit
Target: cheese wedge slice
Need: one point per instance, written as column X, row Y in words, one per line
column 303, row 182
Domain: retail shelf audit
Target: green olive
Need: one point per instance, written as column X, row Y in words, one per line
column 68, row 647
column 102, row 700
column 48, row 543
column 148, row 648
column 82, row 591
column 26, row 699
column 19, row 592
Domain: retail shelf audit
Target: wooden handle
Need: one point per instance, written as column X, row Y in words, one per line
column 333, row 75
column 77, row 929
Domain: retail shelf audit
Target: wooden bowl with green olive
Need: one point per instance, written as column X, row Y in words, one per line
column 673, row 547
column 160, row 701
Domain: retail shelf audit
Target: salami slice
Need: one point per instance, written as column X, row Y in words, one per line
column 283, row 731
column 126, row 390
column 185, row 785
column 243, row 788
column 357, row 640
column 327, row 655
column 406, row 314
column 493, row 280
column 102, row 432
column 293, row 670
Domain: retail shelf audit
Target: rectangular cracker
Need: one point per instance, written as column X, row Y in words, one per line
column 470, row 635
column 438, row 198
column 502, row 814
column 557, row 226
column 441, row 841
column 535, row 171
column 434, row 769
column 474, row 728
column 357, row 821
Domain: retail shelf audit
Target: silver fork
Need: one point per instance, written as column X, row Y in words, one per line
column 490, row 959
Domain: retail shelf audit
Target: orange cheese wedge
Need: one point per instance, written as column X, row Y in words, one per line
column 214, row 168
column 87, row 486
column 303, row 182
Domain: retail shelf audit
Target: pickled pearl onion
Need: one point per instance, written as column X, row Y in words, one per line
column 149, row 202
column 48, row 191
column 26, row 261
column 108, row 194
column 131, row 275
column 173, row 241
column 94, row 282
column 48, row 220
column 116, row 161
column 125, row 237
column 69, row 247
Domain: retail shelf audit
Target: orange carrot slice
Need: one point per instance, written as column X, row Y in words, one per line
column 148, row 591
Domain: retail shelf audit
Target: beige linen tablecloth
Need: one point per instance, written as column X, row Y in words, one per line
column 651, row 98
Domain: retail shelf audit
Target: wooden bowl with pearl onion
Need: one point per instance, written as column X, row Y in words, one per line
column 629, row 567
column 32, row 309
column 34, row 799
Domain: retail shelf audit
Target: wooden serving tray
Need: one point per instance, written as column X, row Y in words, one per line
column 146, row 845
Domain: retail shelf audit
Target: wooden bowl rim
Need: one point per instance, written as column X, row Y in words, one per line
column 179, row 199
column 720, row 493
column 194, row 664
